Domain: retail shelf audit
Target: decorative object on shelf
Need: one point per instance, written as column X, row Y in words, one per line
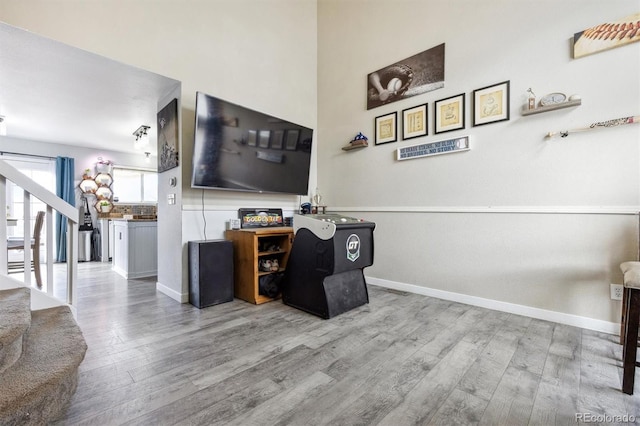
column 412, row 76
column 318, row 207
column 105, row 206
column 104, row 166
column 597, row 125
column 167, row 121
column 414, row 122
column 104, row 193
column 531, row 99
column 491, row 104
column 317, row 198
column 360, row 141
column 553, row 99
column 386, row 128
column 88, row 185
column 606, row 36
column 449, row 113
column 305, row 208
column 433, row 148
column 103, row 179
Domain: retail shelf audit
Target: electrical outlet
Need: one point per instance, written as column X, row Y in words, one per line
column 616, row 291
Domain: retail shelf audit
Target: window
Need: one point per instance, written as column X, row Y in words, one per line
column 135, row 186
column 43, row 171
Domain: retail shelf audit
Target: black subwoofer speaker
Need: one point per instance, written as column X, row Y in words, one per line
column 210, row 272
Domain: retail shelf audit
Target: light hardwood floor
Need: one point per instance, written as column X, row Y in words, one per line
column 403, row 359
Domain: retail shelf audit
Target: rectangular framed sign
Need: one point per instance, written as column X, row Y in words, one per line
column 448, row 146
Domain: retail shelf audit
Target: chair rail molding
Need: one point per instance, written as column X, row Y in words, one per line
column 613, row 210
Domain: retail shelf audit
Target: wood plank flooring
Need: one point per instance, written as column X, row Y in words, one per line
column 403, row 359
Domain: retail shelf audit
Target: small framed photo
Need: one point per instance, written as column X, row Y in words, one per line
column 252, row 138
column 291, row 143
column 491, row 104
column 386, row 128
column 414, row 122
column 263, row 139
column 449, row 114
column 277, row 136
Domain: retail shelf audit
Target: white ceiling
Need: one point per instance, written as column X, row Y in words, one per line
column 52, row 92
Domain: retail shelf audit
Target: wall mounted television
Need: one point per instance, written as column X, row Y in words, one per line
column 236, row 148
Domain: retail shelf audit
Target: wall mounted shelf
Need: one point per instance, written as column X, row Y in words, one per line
column 355, row 145
column 552, row 107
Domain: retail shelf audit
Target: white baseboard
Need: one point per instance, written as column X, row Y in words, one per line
column 179, row 297
column 512, row 308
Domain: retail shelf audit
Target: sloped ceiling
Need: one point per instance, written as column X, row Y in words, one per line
column 52, row 92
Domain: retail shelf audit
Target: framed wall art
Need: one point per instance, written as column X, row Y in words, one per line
column 415, row 75
column 491, row 104
column 449, row 114
column 386, row 128
column 168, row 136
column 414, row 122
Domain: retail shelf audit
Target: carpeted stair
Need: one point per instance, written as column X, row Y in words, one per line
column 40, row 352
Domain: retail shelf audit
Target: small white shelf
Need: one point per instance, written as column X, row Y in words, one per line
column 548, row 108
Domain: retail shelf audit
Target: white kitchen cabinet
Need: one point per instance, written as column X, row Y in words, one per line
column 135, row 248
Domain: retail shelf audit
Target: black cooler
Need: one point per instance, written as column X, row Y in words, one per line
column 324, row 271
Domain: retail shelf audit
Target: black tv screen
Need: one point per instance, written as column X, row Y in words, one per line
column 236, row 148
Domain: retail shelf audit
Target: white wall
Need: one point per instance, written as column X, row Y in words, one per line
column 518, row 219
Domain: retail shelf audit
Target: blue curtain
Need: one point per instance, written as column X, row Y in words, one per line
column 64, row 190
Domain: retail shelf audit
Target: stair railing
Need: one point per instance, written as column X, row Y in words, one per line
column 53, row 203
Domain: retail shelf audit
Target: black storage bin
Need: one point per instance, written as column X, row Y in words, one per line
column 210, row 272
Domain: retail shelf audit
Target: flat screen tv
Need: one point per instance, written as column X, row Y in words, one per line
column 236, row 148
